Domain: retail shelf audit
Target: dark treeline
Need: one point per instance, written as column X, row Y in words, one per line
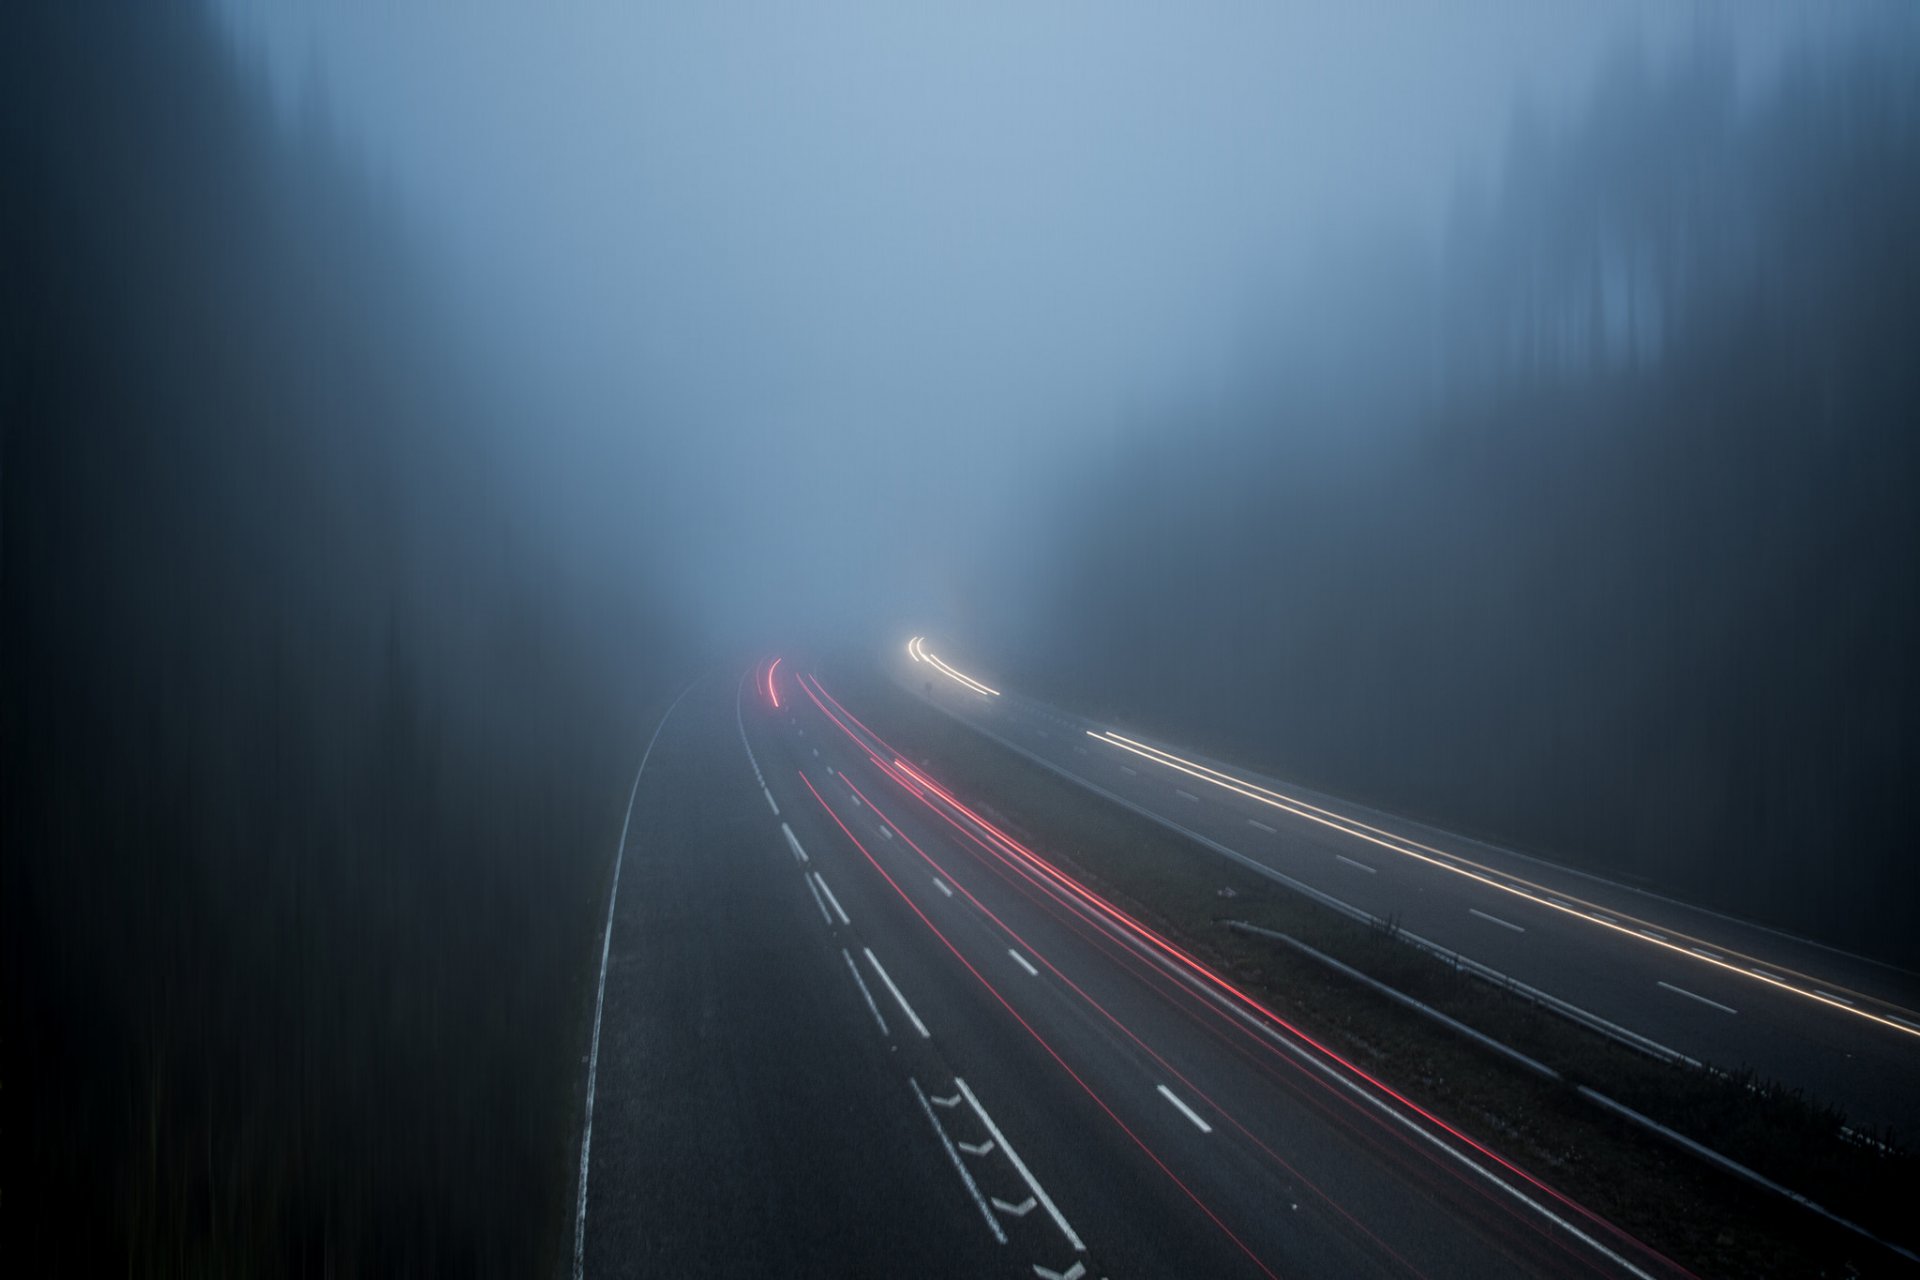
column 311, row 771
column 1612, row 551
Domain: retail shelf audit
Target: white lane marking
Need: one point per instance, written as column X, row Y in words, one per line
column 1081, row 750
column 1504, row 924
column 1187, row 795
column 867, row 995
column 1770, row 977
column 1601, row 915
column 1681, row 991
column 1903, row 1022
column 1363, row 866
column 818, row 903
column 1254, row 822
column 1828, row 995
column 600, row 992
column 1023, row 963
column 837, row 909
column 1020, row 1167
column 1129, row 771
column 941, row 885
column 1185, row 1110
column 906, row 1008
column 959, row 1165
column 976, row 1149
column 1649, row 933
column 1073, row 1272
column 816, row 752
column 770, row 804
column 799, row 854
column 887, row 832
column 1706, row 954
column 1020, row 1210
column 1564, row 906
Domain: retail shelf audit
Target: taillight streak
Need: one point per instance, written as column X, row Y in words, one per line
column 1206, row 974
column 1037, row 1037
column 1040, row 956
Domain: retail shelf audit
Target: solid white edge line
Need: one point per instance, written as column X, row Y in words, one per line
column 793, row 842
column 906, row 1008
column 1184, row 1109
column 600, row 992
column 1020, row 1167
column 973, row 1189
column 1682, row 991
column 1023, row 962
column 837, row 909
column 1504, row 924
column 867, row 995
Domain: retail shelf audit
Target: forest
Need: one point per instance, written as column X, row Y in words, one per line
column 1591, row 531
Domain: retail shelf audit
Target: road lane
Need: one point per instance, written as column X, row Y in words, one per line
column 751, row 1119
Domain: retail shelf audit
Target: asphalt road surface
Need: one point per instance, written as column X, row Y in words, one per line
column 849, row 1028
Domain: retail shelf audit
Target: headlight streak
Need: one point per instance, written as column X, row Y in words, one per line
column 918, row 649
column 1484, row 875
column 1213, row 979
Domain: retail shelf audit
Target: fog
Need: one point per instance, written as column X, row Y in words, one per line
column 1502, row 412
column 900, row 266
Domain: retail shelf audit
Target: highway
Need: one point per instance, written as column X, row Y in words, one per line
column 1673, row 979
column 847, row 1026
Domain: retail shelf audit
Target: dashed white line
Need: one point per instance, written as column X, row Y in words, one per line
column 886, row 831
column 1261, row 826
column 1649, row 933
column 1828, row 995
column 1705, row 954
column 1081, row 750
column 770, row 804
column 941, row 885
column 1186, row 795
column 1020, row 1167
column 1504, row 924
column 1363, row 866
column 1023, row 963
column 1681, row 991
column 959, row 1165
column 1903, row 1022
column 799, row 854
column 1185, row 1110
column 905, row 1008
column 867, row 995
column 817, row 902
column 1129, row 771
column 837, row 909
